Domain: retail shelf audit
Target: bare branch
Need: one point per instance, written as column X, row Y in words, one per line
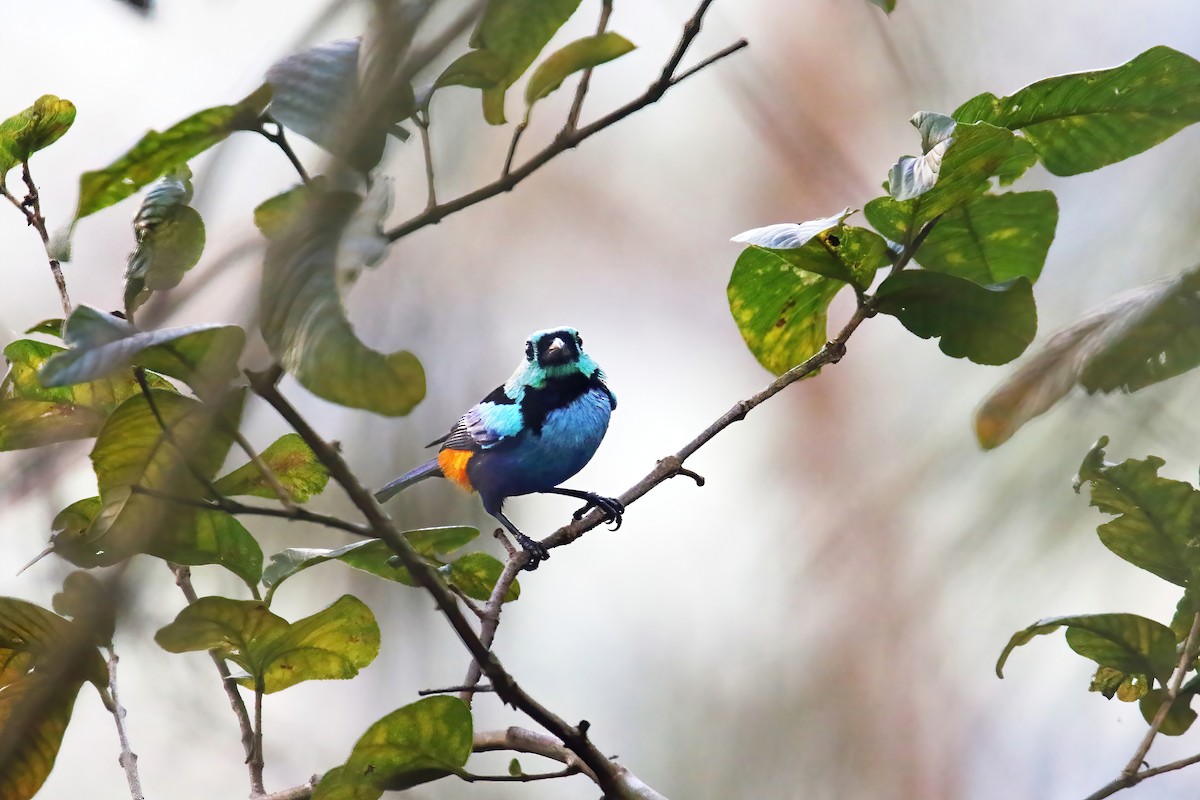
column 128, row 758
column 31, row 208
column 220, row 503
column 572, row 139
column 183, row 579
column 422, row 122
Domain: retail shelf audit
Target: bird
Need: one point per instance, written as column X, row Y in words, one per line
column 529, row 435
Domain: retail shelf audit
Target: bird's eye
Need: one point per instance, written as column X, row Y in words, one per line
column 578, row 340
column 529, row 350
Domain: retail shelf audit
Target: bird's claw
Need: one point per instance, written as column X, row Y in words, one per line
column 612, row 509
column 536, row 550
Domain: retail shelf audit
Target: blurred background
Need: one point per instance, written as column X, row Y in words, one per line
column 822, row 619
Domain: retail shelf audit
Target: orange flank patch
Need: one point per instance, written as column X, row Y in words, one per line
column 454, row 466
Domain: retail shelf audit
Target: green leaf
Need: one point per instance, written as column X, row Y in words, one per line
column 421, row 742
column 887, row 5
column 204, row 356
column 133, row 451
column 34, row 713
column 49, row 327
column 35, row 128
column 1087, row 120
column 211, row 537
column 305, row 325
column 477, row 69
column 476, row 574
column 334, row 643
column 1158, row 519
column 375, row 557
column 516, row 31
column 156, row 153
column 581, row 54
column 275, row 215
column 1180, row 716
column 170, row 238
column 954, row 171
column 1134, row 340
column 32, row 415
column 85, row 599
column 1124, row 642
column 1114, row 683
column 293, row 463
column 986, row 324
column 993, row 238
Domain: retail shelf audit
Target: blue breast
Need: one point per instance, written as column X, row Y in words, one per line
column 536, row 462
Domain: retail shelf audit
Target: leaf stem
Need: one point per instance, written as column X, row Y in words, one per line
column 128, row 759
column 279, row 139
column 422, row 122
column 256, row 762
column 584, row 81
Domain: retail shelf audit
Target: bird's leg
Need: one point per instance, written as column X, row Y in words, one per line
column 536, row 550
column 611, row 507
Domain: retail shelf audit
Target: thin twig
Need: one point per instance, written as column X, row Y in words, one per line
column 31, row 208
column 285, row 497
column 1130, row 776
column 512, row 147
column 183, row 579
column 256, row 762
column 128, row 758
column 221, row 503
column 471, row 777
column 522, row 740
column 561, row 144
column 279, row 139
column 468, row 601
column 451, row 690
column 586, row 79
column 422, row 122
column 302, row 792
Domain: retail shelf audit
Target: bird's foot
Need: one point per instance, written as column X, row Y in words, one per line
column 611, row 507
column 536, row 550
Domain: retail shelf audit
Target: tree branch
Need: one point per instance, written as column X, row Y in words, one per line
column 183, row 579
column 572, row 139
column 221, row 503
column 522, row 740
column 128, row 759
column 422, row 122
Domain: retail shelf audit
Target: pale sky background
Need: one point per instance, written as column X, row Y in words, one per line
column 822, row 619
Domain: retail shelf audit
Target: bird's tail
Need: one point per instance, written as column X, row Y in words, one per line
column 429, row 469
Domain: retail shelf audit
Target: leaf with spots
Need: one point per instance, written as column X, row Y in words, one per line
column 1087, row 120
column 421, row 742
column 993, row 238
column 156, row 153
column 1157, row 520
column 1124, row 642
column 294, row 465
column 32, row 415
column 334, row 643
column 35, row 128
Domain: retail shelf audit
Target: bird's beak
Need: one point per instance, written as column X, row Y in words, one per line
column 556, row 352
